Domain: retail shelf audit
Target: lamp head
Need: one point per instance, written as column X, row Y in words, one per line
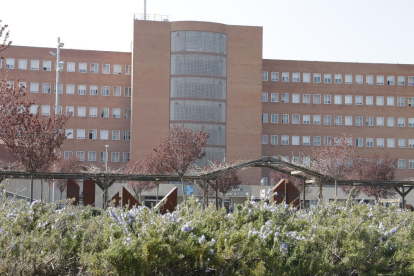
column 61, row 44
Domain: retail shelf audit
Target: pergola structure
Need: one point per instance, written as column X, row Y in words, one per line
column 306, row 173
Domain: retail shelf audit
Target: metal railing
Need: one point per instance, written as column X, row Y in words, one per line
column 152, row 17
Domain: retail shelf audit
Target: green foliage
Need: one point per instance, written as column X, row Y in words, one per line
column 257, row 239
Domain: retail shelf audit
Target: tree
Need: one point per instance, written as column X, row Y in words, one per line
column 31, row 138
column 65, row 165
column 376, row 168
column 333, row 161
column 138, row 167
column 5, row 34
column 180, row 148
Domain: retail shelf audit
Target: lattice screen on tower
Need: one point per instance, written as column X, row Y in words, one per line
column 198, row 110
column 220, row 89
column 219, row 112
column 177, row 64
column 177, row 87
column 200, row 41
column 177, row 41
column 199, row 88
column 220, row 43
column 177, row 110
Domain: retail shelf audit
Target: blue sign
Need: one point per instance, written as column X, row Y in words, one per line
column 188, row 190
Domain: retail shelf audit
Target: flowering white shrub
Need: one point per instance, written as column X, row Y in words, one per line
column 257, row 239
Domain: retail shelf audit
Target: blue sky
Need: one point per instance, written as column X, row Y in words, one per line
column 324, row 30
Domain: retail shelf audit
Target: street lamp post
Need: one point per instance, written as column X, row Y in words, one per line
column 106, row 157
column 58, row 70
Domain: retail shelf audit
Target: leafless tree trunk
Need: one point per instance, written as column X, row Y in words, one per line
column 41, row 190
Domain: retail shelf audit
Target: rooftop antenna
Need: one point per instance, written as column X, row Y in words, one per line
column 145, row 9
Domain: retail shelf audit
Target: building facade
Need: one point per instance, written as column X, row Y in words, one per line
column 200, row 73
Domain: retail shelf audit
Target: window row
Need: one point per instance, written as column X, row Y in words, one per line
column 81, row 111
column 337, row 78
column 93, row 134
column 337, row 120
column 82, row 89
column 22, row 64
column 337, row 99
column 115, row 156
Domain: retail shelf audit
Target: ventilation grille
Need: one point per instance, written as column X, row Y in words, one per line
column 193, row 41
column 198, row 88
column 198, row 65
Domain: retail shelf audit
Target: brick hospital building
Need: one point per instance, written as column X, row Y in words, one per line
column 199, row 73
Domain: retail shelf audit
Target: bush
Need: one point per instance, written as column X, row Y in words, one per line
column 257, row 239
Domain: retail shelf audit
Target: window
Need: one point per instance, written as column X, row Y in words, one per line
column 327, row 99
column 34, row 87
column 410, row 101
column 338, row 99
column 106, row 69
column 103, row 156
column 9, row 63
column 390, row 80
column 60, row 88
column 401, row 143
column 127, row 69
column 369, row 100
column 401, row 80
column 264, row 139
column 369, row 121
column 348, row 120
column 306, row 119
column 117, row 69
column 391, row 121
column 46, row 88
column 306, row 77
column 338, row 78
column 338, row 120
column 410, row 81
column 327, row 120
column 380, row 121
column 285, row 139
column 327, row 141
column 285, row 97
column 370, row 79
column 117, row 91
column 316, row 99
column 316, row 119
column 348, row 79
column 390, row 101
column 327, row 78
column 127, row 135
column 93, row 90
column 295, row 77
column 115, row 156
column 94, row 68
column 82, row 67
column 104, row 134
column 274, row 139
column 127, row 113
column 93, row 112
column 359, row 142
column 47, row 65
column 401, row 163
column 69, row 133
column 81, row 134
column 306, row 161
column 285, row 76
column 70, row 67
column 82, row 89
column 33, row 108
column 380, row 142
column 306, row 98
column 380, row 100
column 401, row 101
column 80, row 155
column 274, row 118
column 275, row 76
column 81, row 111
column 390, row 143
column 410, row 122
column 116, row 135
column 34, row 65
column 380, row 80
column 401, row 122
column 264, row 97
column 264, row 76
column 296, row 98
column 70, row 110
column 264, row 118
column 285, row 118
column 359, row 121
column 67, row 154
column 411, row 143
column 22, row 64
column 93, row 133
column 316, row 141
column 370, row 142
column 348, row 100
column 126, row 156
column 316, row 78
column 127, row 91
column 92, row 156
column 359, row 79
column 70, row 89
column 105, row 91
column 295, row 119
column 295, row 140
column 306, row 140
column 105, row 112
